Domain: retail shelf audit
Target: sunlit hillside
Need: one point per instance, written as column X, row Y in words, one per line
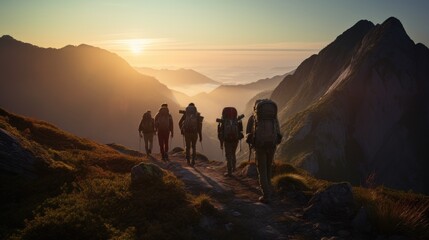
column 83, row 89
column 73, row 188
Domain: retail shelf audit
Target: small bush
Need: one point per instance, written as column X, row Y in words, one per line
column 290, row 182
column 203, row 204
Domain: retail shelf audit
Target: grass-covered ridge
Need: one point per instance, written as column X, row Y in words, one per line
column 390, row 212
column 83, row 191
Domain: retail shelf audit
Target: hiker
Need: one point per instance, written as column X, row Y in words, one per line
column 147, row 130
column 230, row 131
column 164, row 126
column 191, row 127
column 263, row 135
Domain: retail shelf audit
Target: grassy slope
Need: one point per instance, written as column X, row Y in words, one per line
column 390, row 212
column 83, row 191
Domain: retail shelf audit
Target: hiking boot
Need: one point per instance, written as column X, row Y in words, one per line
column 187, row 161
column 193, row 162
column 227, row 174
column 264, row 199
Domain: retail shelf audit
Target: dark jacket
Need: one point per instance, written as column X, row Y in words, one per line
column 163, row 112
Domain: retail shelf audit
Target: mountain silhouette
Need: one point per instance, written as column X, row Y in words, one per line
column 359, row 109
column 179, row 77
column 83, row 89
column 236, row 95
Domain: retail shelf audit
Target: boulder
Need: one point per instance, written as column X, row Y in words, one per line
column 14, row 159
column 250, row 171
column 145, row 171
column 334, row 202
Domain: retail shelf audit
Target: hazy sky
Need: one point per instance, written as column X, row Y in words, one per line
column 229, row 40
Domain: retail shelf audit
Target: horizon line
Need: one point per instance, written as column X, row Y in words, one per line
column 235, row 49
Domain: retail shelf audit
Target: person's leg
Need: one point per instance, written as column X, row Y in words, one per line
column 167, row 135
column 146, row 140
column 161, row 144
column 194, row 147
column 228, row 151
column 150, row 142
column 270, row 159
column 233, row 158
column 261, row 162
column 188, row 148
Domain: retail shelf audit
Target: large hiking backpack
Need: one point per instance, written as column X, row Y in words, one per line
column 190, row 124
column 230, row 127
column 147, row 123
column 265, row 128
column 163, row 119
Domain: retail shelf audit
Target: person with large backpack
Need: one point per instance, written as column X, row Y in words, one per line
column 230, row 131
column 191, row 127
column 164, row 126
column 263, row 134
column 147, row 130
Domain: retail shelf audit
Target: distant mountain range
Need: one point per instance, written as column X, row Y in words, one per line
column 359, row 109
column 236, row 95
column 187, row 81
column 83, row 89
column 179, row 77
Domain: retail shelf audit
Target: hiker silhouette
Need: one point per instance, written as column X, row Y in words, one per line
column 147, row 130
column 191, row 128
column 263, row 135
column 164, row 126
column 230, row 132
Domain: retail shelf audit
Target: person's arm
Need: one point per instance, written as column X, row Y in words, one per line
column 153, row 125
column 156, row 122
column 141, row 128
column 200, row 127
column 250, row 122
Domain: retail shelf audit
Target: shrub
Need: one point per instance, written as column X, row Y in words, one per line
column 290, row 182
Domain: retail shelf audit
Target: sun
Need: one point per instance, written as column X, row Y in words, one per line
column 136, row 46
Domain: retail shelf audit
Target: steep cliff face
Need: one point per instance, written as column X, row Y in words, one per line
column 369, row 118
column 316, row 74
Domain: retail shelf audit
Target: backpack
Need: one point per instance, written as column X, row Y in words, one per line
column 265, row 127
column 147, row 123
column 229, row 130
column 190, row 124
column 163, row 120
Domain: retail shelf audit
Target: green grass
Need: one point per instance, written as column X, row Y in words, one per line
column 83, row 191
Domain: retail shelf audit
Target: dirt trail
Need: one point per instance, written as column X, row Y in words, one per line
column 237, row 197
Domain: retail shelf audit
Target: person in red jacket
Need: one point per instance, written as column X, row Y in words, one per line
column 164, row 127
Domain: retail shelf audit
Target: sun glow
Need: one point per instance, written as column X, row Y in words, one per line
column 137, row 46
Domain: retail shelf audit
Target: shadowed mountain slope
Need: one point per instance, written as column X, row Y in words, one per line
column 83, row 89
column 359, row 108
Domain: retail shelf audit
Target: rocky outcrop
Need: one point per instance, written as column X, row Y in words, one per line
column 360, row 108
column 335, row 203
column 145, row 171
column 14, row 159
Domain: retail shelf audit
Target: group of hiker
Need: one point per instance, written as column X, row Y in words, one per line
column 262, row 135
column 190, row 126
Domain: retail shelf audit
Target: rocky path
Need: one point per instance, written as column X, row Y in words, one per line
column 237, row 198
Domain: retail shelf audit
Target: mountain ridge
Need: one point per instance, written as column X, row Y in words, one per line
column 361, row 124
